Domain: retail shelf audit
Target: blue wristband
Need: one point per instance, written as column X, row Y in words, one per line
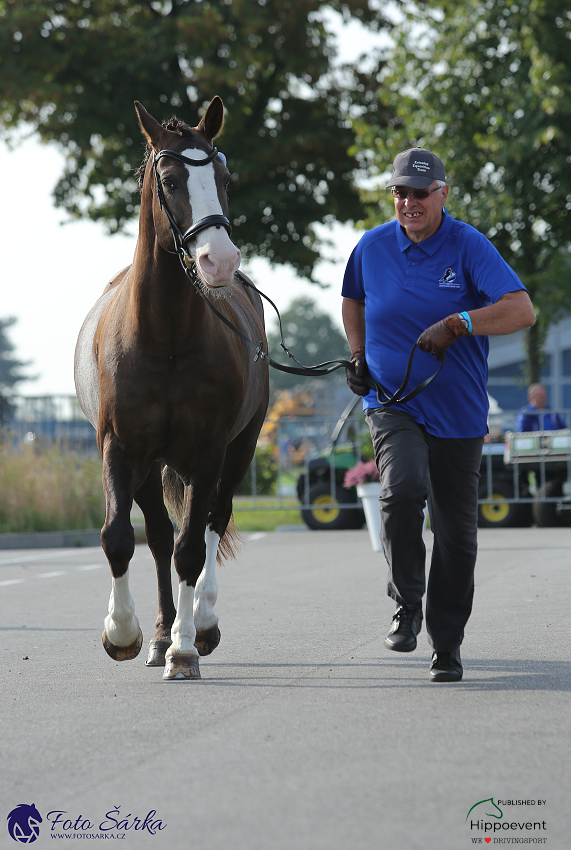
column 466, row 316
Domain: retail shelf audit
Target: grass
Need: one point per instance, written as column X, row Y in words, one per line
column 49, row 489
column 45, row 489
column 266, row 514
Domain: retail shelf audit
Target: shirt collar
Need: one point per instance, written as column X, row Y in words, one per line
column 431, row 245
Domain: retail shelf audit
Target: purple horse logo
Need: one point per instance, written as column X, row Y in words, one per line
column 24, row 823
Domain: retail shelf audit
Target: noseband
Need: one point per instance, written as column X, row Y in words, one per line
column 180, row 239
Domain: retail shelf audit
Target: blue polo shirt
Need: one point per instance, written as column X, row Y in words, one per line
column 408, row 287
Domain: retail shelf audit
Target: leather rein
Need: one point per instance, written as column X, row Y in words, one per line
column 189, row 267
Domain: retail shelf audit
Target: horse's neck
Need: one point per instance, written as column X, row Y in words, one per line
column 162, row 302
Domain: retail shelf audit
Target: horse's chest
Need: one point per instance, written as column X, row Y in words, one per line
column 168, row 402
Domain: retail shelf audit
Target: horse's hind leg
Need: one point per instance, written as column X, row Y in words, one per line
column 122, row 636
column 237, row 460
column 159, row 531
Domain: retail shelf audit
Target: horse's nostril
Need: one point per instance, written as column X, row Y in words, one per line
column 219, row 266
column 207, row 265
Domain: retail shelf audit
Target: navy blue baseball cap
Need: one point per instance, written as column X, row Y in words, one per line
column 416, row 167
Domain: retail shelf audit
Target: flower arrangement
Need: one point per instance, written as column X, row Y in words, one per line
column 362, row 473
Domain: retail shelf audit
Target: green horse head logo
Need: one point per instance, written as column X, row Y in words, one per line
column 497, row 814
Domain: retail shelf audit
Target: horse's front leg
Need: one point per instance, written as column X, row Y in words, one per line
column 122, row 636
column 196, row 625
column 205, row 596
column 159, row 531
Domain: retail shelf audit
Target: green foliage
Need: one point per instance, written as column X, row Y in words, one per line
column 311, row 336
column 72, row 68
column 266, row 473
column 487, row 86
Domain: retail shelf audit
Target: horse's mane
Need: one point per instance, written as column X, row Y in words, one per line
column 175, row 126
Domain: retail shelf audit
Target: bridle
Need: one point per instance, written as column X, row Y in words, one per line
column 189, row 267
column 180, row 239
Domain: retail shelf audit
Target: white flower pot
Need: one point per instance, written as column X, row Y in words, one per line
column 369, row 495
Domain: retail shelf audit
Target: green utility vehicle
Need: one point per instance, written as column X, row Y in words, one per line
column 524, row 478
column 328, row 504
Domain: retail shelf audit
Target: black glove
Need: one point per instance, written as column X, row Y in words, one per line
column 355, row 379
column 437, row 338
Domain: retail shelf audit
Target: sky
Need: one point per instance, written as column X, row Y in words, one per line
column 52, row 272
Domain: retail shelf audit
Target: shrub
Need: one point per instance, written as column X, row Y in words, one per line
column 266, row 473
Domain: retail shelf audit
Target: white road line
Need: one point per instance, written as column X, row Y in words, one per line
column 51, row 575
column 257, row 535
column 58, row 554
column 12, row 581
column 91, row 567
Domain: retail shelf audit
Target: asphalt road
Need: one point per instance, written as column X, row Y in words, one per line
column 304, row 732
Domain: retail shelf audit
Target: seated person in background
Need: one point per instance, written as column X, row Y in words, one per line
column 536, row 416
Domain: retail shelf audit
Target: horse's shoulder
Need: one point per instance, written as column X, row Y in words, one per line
column 117, row 279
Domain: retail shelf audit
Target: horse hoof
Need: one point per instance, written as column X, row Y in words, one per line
column 122, row 653
column 206, row 642
column 178, row 667
column 157, row 650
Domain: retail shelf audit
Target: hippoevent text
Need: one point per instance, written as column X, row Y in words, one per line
column 489, row 826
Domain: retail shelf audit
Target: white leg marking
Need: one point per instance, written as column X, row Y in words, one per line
column 183, row 632
column 121, row 624
column 206, row 592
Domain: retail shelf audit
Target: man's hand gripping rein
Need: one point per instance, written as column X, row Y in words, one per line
column 437, row 338
column 355, row 379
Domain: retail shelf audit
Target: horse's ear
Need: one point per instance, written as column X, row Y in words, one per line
column 151, row 128
column 213, row 119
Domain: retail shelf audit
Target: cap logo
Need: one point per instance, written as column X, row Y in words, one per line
column 420, row 165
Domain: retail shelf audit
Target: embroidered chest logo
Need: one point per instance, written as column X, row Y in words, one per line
column 448, row 280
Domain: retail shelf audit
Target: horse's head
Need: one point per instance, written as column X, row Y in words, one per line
column 193, row 196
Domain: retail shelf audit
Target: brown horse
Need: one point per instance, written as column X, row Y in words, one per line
column 178, row 399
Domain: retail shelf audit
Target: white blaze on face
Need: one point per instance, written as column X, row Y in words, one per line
column 216, row 255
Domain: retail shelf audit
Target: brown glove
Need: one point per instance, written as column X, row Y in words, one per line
column 437, row 338
column 355, row 379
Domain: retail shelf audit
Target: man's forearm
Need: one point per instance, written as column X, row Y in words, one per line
column 353, row 313
column 513, row 312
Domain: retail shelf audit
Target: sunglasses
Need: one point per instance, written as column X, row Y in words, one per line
column 401, row 192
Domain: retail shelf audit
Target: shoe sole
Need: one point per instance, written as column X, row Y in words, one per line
column 397, row 648
column 445, row 677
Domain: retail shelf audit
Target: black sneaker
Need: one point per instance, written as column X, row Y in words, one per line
column 407, row 622
column 446, row 666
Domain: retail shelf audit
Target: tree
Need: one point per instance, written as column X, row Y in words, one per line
column 72, row 68
column 312, row 338
column 10, row 370
column 487, row 86
column 10, row 367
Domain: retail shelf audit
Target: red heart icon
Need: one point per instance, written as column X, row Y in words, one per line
column 487, row 840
